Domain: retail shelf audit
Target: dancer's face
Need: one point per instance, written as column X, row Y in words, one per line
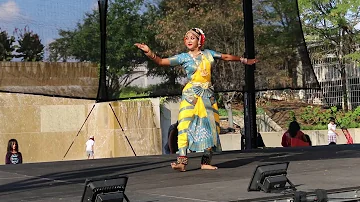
column 191, row 41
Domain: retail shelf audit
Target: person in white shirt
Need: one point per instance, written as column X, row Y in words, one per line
column 90, row 147
column 332, row 131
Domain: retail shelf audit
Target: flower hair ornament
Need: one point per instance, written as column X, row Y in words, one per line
column 199, row 34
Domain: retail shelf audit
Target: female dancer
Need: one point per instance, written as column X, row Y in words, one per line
column 198, row 128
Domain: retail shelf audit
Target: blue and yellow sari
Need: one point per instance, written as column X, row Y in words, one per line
column 198, row 117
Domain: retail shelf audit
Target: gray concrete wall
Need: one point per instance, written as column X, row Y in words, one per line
column 169, row 111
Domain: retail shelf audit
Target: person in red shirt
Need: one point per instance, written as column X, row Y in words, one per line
column 286, row 139
column 294, row 137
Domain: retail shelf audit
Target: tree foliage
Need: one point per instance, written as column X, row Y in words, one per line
column 30, row 47
column 126, row 25
column 162, row 27
column 60, row 50
column 278, row 37
column 222, row 22
column 280, row 45
column 330, row 24
column 6, row 46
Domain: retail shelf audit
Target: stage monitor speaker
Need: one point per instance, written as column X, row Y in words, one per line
column 106, row 189
column 270, row 178
column 110, row 197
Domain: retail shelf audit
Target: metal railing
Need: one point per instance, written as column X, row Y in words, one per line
column 331, row 92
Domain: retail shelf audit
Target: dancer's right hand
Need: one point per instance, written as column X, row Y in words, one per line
column 143, row 47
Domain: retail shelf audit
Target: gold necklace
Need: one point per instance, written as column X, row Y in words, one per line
column 203, row 71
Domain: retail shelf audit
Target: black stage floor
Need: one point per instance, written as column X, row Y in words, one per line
column 151, row 178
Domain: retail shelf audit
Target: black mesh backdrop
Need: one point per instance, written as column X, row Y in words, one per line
column 280, row 47
column 279, row 42
column 68, row 64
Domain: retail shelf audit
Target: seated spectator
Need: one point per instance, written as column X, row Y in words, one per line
column 171, row 146
column 308, row 139
column 286, row 139
column 296, row 142
column 294, row 137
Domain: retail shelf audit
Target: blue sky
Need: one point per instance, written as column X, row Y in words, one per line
column 44, row 17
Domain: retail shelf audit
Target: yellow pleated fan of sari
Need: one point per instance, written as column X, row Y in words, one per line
column 198, row 117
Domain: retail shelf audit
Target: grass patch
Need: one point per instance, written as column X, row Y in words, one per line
column 223, row 112
column 133, row 95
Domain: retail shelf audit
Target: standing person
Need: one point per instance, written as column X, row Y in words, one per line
column 90, row 147
column 13, row 156
column 198, row 128
column 332, row 131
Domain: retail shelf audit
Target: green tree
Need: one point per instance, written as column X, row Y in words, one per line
column 6, row 46
column 30, row 47
column 222, row 22
column 60, row 50
column 278, row 37
column 280, row 45
column 330, row 24
column 126, row 25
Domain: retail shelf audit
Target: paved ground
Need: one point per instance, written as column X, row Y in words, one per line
column 151, row 179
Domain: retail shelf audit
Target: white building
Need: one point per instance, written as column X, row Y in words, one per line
column 143, row 81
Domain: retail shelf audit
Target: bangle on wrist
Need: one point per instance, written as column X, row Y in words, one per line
column 153, row 56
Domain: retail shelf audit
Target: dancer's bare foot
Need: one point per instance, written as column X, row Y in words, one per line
column 208, row 167
column 180, row 167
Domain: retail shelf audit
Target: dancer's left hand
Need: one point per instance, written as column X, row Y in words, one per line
column 249, row 61
column 143, row 47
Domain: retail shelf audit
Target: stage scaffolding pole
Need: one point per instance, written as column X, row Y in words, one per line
column 249, row 89
column 102, row 94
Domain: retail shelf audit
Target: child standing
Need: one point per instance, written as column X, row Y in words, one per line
column 90, row 147
column 13, row 156
column 332, row 131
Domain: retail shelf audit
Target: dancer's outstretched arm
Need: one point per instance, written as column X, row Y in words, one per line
column 158, row 60
column 246, row 61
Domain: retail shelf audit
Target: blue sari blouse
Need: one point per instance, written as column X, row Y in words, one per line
column 190, row 64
